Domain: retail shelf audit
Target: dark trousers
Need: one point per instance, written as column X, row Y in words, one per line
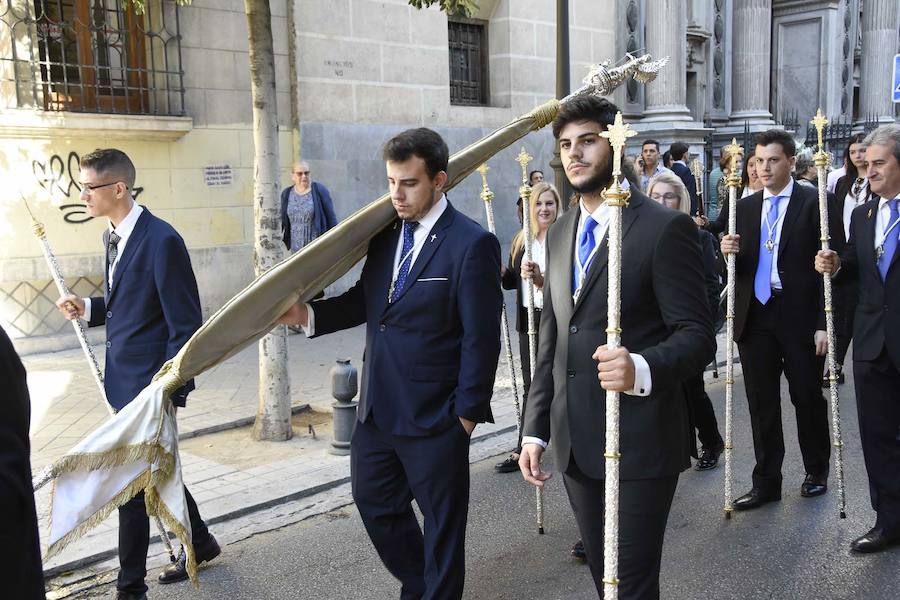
column 525, row 359
column 878, row 403
column 134, row 540
column 643, row 511
column 703, row 417
column 768, row 346
column 387, row 472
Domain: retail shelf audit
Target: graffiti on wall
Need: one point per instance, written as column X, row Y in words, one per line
column 59, row 178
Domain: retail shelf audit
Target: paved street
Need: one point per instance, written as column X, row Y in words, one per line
column 796, row 548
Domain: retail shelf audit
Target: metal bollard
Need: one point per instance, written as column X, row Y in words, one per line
column 343, row 388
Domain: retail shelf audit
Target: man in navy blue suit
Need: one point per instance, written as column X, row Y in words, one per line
column 680, row 167
column 430, row 296
column 150, row 307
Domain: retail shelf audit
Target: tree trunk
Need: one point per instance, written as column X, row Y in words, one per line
column 295, row 85
column 273, row 415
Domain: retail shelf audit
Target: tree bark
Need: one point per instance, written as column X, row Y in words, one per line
column 273, row 415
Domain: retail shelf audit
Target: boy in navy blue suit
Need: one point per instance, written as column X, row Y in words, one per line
column 150, row 307
column 430, row 296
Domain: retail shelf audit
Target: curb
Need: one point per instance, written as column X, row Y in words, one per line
column 242, row 422
column 85, row 561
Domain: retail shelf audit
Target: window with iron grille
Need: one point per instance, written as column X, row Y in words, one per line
column 91, row 56
column 468, row 61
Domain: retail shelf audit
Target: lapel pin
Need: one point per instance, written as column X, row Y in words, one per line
column 869, row 215
column 433, row 236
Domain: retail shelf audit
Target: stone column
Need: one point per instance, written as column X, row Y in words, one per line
column 880, row 20
column 751, row 57
column 666, row 35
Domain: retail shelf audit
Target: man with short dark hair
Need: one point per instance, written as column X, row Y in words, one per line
column 430, row 296
column 649, row 162
column 870, row 258
column 779, row 318
column 666, row 336
column 150, row 307
column 535, row 177
column 680, row 167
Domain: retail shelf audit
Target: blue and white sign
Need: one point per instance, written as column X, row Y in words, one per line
column 895, row 88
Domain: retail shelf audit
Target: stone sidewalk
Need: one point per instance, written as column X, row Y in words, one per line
column 230, row 475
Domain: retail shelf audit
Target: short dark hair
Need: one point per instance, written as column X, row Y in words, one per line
column 530, row 175
column 421, row 142
column 654, row 142
column 776, row 136
column 678, row 150
column 585, row 108
column 109, row 161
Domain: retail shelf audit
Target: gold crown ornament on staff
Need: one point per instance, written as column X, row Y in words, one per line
column 617, row 199
column 733, row 181
column 822, row 160
column 698, row 171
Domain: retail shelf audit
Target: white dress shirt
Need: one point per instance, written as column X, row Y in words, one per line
column 420, row 235
column 785, row 194
column 643, row 383
column 851, row 202
column 832, row 179
column 124, row 230
column 882, row 220
column 538, row 256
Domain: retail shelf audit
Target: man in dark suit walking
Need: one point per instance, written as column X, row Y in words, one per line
column 870, row 258
column 680, row 167
column 150, row 307
column 430, row 296
column 666, row 336
column 779, row 319
column 20, row 552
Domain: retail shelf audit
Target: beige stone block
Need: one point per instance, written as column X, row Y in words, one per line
column 521, row 38
column 581, row 45
column 189, row 190
column 537, row 10
column 144, row 155
column 324, row 17
column 499, row 71
column 229, row 107
column 532, row 75
column 208, row 69
column 604, row 46
column 158, row 192
column 193, row 224
column 594, row 14
column 381, row 21
column 279, row 35
column 246, row 148
column 352, row 60
column 195, row 107
column 545, row 40
column 202, row 147
column 226, row 226
column 428, row 27
column 387, row 104
column 498, row 36
column 423, row 66
column 278, row 8
column 326, row 101
column 436, row 105
column 213, row 28
column 285, row 150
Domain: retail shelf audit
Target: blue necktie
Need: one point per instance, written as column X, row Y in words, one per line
column 409, row 227
column 890, row 240
column 762, row 283
column 586, row 245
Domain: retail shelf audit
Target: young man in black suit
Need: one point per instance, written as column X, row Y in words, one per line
column 779, row 319
column 666, row 336
column 680, row 167
column 870, row 259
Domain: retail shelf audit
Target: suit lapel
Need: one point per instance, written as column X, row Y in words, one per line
column 131, row 248
column 753, row 230
column 866, row 241
column 106, row 265
column 432, row 242
column 562, row 260
column 790, row 217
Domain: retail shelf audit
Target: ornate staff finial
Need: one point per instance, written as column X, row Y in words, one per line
column 821, row 157
column 602, row 78
column 617, row 134
column 697, row 172
column 486, row 194
column 523, row 158
column 733, row 150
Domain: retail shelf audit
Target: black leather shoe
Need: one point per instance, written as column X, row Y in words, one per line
column 754, row 499
column 814, row 485
column 130, row 596
column 876, row 540
column 709, row 458
column 177, row 571
column 510, row 465
column 578, row 550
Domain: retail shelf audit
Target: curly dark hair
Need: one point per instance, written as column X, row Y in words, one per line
column 585, row 108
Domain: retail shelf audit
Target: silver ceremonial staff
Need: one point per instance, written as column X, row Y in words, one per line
column 616, row 198
column 52, row 264
column 821, row 158
column 525, row 193
column 733, row 181
column 488, row 197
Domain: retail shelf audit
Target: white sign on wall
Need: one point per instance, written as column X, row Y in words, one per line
column 216, row 175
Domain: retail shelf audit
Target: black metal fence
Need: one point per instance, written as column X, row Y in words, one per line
column 91, row 56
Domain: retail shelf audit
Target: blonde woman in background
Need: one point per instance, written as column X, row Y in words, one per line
column 668, row 190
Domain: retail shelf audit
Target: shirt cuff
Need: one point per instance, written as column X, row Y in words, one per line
column 309, row 329
column 87, row 309
column 529, row 439
column 643, row 384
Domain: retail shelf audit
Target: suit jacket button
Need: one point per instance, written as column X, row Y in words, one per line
column 381, row 327
column 109, row 344
column 109, row 314
column 573, row 329
column 571, row 372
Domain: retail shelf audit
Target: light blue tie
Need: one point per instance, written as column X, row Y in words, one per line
column 586, row 244
column 762, row 283
column 890, row 240
column 409, row 228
